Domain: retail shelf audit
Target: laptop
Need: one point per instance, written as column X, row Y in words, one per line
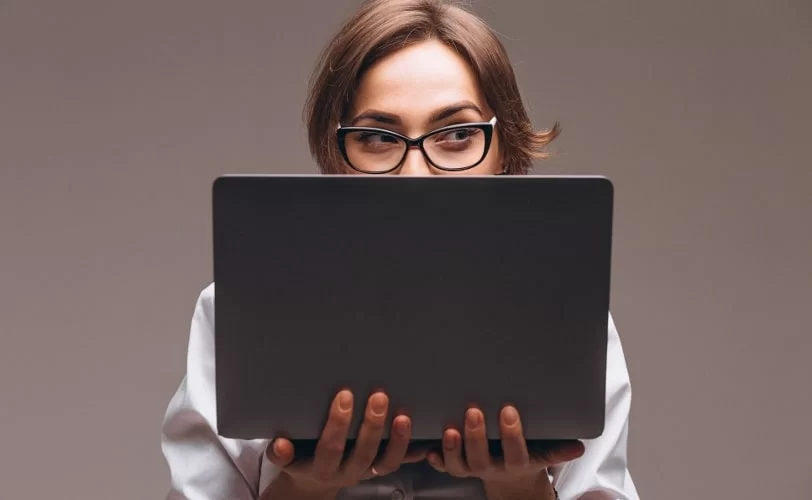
column 445, row 292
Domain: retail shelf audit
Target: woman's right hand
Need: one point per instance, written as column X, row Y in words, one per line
column 327, row 471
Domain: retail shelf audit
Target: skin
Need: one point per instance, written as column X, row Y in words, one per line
column 402, row 93
column 412, row 85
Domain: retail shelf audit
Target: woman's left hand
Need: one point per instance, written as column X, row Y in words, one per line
column 519, row 473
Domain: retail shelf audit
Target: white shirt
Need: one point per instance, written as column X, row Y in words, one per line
column 205, row 466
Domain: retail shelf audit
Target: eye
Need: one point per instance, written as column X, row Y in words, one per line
column 375, row 139
column 458, row 135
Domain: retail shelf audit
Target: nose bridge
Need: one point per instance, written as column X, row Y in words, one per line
column 415, row 163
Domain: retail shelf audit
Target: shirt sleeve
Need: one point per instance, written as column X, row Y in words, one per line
column 602, row 473
column 203, row 465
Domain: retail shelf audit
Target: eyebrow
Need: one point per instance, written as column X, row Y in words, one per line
column 440, row 114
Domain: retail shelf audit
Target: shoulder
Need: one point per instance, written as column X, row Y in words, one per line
column 206, row 297
column 204, row 307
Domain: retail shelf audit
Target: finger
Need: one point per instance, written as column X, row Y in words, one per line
column 514, row 447
column 395, row 453
column 477, row 455
column 417, row 452
column 330, row 447
column 452, row 454
column 369, row 436
column 280, row 452
column 436, row 461
column 557, row 453
column 416, row 455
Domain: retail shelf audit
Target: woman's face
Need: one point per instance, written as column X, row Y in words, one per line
column 415, row 91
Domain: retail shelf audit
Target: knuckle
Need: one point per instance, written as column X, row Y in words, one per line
column 478, row 468
column 512, row 465
column 333, row 446
column 399, row 440
column 320, row 475
column 512, row 433
column 401, row 445
column 331, row 443
column 373, row 423
column 339, row 419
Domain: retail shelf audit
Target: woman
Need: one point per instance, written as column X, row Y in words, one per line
column 407, row 87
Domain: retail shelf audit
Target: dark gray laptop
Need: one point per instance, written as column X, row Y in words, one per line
column 443, row 291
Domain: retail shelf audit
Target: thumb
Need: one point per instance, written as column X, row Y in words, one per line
column 280, row 452
column 560, row 452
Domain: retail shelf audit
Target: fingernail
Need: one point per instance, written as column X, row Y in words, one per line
column 402, row 427
column 450, row 441
column 377, row 403
column 345, row 401
column 510, row 416
column 275, row 449
column 473, row 418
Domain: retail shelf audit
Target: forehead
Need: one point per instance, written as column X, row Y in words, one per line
column 417, row 80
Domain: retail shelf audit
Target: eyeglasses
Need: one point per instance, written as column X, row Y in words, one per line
column 452, row 149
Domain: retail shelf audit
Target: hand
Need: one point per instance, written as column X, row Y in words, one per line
column 518, row 468
column 328, row 470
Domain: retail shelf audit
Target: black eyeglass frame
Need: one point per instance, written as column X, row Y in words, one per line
column 486, row 127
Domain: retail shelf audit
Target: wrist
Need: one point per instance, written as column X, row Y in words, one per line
column 535, row 487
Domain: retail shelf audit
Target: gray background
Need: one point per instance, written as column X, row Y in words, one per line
column 116, row 116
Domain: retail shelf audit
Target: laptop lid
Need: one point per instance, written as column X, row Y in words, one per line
column 443, row 291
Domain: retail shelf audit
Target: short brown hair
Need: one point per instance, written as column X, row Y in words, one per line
column 382, row 27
